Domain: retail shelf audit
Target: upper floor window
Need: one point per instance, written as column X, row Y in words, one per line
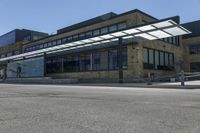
column 17, row 52
column 172, row 40
column 113, row 28
column 194, row 49
column 88, row 34
column 104, row 30
column 59, row 42
column 96, row 32
column 122, row 26
column 9, row 54
column 80, row 36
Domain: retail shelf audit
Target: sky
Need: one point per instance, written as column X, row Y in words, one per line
column 50, row 15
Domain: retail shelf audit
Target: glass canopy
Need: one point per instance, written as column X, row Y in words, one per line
column 156, row 30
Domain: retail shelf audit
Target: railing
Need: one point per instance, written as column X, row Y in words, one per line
column 180, row 77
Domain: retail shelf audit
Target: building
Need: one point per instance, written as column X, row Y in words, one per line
column 112, row 47
column 12, row 42
column 19, row 35
column 191, row 43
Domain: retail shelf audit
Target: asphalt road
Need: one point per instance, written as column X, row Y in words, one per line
column 83, row 109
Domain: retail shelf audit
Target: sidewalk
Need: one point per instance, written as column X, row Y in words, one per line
column 169, row 85
column 174, row 85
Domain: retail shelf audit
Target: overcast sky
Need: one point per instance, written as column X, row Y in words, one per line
column 50, row 15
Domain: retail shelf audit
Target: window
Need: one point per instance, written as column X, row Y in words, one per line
column 64, row 40
column 100, row 60
column 148, row 58
column 33, row 48
column 54, row 65
column 37, row 47
column 166, row 59
column 151, row 58
column 71, row 63
column 59, row 42
column 195, row 67
column 53, row 43
column 122, row 26
column 82, row 36
column 124, row 58
column 96, row 32
column 158, row 60
column 113, row 60
column 145, row 54
column 41, row 46
column 45, row 45
column 9, row 54
column 88, row 34
column 75, row 38
column 3, row 55
column 85, row 62
column 104, row 30
column 17, row 52
column 171, row 59
column 50, row 44
column 69, row 39
column 161, row 58
column 172, row 40
column 96, row 61
column 194, row 49
column 113, row 28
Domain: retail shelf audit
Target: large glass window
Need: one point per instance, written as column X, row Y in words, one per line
column 85, row 62
column 54, row 65
column 71, row 63
column 96, row 61
column 158, row 60
column 145, row 54
column 124, row 58
column 100, row 60
column 166, row 59
column 113, row 59
column 161, row 58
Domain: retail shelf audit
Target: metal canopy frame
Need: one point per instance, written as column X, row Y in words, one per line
column 151, row 31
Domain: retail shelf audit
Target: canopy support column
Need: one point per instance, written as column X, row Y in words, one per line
column 120, row 62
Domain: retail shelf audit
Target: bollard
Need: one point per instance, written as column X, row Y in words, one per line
column 182, row 78
column 149, row 79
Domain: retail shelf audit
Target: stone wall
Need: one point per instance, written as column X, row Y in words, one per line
column 188, row 58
